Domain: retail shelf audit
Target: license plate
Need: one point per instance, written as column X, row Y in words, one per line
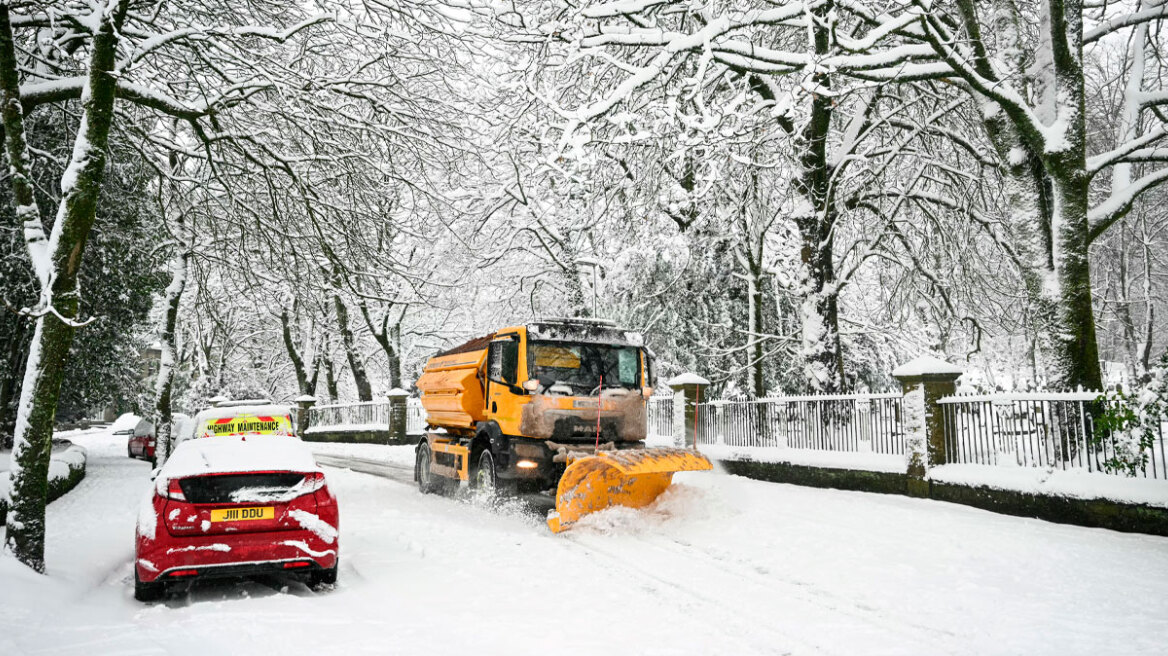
column 242, row 514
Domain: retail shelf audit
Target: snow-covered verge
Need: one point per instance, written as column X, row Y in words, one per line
column 719, row 565
column 879, row 462
column 394, row 454
column 1073, row 484
column 66, row 469
column 1076, row 484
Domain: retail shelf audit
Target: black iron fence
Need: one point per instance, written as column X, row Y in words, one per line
column 863, row 423
column 1044, row 429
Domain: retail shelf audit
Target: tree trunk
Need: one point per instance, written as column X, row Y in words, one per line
column 395, row 369
column 330, row 379
column 54, row 331
column 164, row 424
column 302, row 378
column 1149, row 308
column 754, row 320
column 389, row 338
column 360, row 378
column 819, row 311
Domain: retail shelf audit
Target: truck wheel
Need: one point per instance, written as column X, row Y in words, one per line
column 427, row 481
column 485, row 478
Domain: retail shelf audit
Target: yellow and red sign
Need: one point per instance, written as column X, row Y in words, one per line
column 247, row 425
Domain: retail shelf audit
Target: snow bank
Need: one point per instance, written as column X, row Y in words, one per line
column 348, row 428
column 1076, row 484
column 879, row 462
column 243, row 453
column 395, row 454
column 62, row 465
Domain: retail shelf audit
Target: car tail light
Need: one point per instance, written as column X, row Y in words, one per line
column 170, row 489
column 313, row 481
column 185, row 572
column 296, row 564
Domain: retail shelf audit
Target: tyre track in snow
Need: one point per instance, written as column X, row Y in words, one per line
column 712, row 612
column 805, row 592
column 392, row 471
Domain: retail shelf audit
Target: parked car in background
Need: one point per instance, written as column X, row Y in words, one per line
column 232, row 506
column 182, row 427
column 140, row 442
column 124, row 425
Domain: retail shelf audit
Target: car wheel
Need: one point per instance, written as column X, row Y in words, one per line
column 428, row 482
column 129, row 451
column 148, row 591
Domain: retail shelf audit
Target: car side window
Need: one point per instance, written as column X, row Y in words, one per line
column 503, row 362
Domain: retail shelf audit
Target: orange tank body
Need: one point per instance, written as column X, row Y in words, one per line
column 451, row 387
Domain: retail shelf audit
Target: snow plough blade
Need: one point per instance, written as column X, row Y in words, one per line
column 628, row 477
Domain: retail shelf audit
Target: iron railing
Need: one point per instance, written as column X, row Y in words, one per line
column 660, row 413
column 1044, row 429
column 364, row 416
column 865, row 423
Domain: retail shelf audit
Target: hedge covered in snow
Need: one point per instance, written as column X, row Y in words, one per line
column 66, row 469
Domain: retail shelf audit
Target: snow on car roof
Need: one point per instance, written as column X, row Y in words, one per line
column 125, row 422
column 228, row 454
column 265, row 410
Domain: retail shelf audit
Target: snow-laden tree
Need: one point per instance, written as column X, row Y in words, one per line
column 1021, row 63
column 122, row 63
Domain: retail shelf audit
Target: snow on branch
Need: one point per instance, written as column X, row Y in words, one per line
column 1128, row 20
column 1106, row 213
column 613, row 9
column 1123, row 152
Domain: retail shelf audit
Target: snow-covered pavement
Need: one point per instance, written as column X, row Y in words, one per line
column 720, row 565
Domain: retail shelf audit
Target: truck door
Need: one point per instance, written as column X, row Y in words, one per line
column 502, row 375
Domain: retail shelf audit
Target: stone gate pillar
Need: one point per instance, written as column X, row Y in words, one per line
column 397, row 415
column 303, row 403
column 923, row 381
column 688, row 389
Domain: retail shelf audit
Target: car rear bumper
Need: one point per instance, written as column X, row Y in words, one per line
column 232, row 554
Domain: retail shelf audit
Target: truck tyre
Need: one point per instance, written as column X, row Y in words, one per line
column 428, row 483
column 485, row 478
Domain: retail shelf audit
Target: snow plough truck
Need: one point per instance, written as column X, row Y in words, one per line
column 558, row 404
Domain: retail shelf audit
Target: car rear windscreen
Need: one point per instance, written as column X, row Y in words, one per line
column 240, row 488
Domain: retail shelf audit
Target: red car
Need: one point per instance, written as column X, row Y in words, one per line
column 139, row 435
column 236, row 506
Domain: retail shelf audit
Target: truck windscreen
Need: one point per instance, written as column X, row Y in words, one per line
column 580, row 366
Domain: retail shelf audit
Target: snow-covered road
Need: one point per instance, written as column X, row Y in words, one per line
column 721, row 565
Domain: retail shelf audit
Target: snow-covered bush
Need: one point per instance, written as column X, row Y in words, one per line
column 1128, row 426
